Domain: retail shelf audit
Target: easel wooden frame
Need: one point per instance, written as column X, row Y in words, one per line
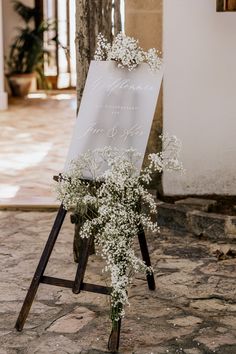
column 78, row 284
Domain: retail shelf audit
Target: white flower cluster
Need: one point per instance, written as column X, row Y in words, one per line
column 127, row 52
column 168, row 158
column 112, row 206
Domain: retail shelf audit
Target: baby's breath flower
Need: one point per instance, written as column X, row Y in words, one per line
column 102, row 48
column 114, row 205
column 127, row 52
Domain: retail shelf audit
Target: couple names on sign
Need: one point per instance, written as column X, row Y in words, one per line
column 116, row 109
column 113, row 133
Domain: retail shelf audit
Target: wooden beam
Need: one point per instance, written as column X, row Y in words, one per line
column 225, row 5
column 231, row 5
column 64, row 283
column 40, row 269
column 220, row 5
column 39, row 12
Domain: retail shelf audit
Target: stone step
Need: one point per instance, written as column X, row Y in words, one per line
column 185, row 217
column 197, row 203
column 29, row 204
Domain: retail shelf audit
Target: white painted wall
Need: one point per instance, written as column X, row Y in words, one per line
column 200, row 95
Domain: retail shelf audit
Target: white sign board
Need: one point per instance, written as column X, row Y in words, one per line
column 116, row 110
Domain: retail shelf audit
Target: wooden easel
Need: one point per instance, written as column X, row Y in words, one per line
column 78, row 283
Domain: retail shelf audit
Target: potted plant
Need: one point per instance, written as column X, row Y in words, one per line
column 27, row 53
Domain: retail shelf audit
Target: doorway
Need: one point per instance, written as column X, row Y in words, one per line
column 59, row 41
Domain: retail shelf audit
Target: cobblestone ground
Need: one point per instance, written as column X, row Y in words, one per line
column 192, row 310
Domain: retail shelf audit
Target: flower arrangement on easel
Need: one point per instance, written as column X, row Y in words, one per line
column 112, row 208
column 110, row 201
column 114, row 204
column 126, row 52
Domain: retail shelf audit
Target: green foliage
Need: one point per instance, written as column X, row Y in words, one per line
column 27, row 52
column 27, row 13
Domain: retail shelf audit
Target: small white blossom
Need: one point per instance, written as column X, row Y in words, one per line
column 111, row 205
column 127, row 52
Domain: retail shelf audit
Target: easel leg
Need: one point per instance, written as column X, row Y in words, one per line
column 146, row 257
column 78, row 244
column 114, row 339
column 84, row 254
column 40, row 269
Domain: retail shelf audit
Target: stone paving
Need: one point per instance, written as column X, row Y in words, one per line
column 34, row 138
column 192, row 310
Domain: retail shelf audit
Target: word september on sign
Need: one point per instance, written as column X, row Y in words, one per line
column 116, row 109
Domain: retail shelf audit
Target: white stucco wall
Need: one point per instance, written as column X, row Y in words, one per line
column 200, row 95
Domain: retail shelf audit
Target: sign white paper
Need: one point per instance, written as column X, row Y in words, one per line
column 116, row 110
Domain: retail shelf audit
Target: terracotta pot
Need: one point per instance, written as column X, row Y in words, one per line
column 20, row 83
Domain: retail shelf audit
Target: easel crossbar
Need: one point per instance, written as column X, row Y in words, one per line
column 64, row 283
